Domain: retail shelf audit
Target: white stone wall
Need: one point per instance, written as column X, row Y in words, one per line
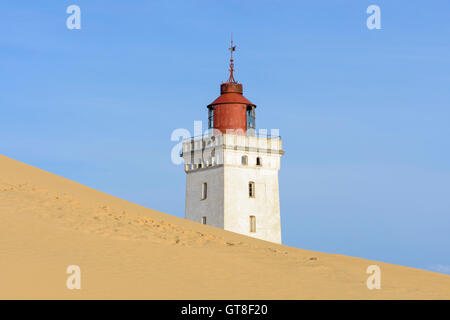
column 228, row 204
column 265, row 206
column 212, row 206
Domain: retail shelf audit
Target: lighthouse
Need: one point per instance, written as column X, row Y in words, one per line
column 232, row 172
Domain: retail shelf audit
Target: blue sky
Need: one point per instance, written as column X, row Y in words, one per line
column 364, row 114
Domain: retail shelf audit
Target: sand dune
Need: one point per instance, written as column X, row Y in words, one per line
column 126, row 251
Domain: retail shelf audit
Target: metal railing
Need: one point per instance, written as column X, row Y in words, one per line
column 249, row 134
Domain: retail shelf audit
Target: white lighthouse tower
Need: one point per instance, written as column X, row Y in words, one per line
column 232, row 173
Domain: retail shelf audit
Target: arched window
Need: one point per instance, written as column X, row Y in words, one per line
column 258, row 161
column 244, row 160
column 252, row 224
column 251, row 189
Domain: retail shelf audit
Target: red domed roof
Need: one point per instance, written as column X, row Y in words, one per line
column 231, row 93
column 231, row 98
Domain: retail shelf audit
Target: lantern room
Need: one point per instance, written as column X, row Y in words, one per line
column 231, row 112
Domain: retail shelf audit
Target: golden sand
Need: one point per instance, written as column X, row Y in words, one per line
column 126, row 251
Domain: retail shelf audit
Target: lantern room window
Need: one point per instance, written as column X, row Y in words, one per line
column 250, row 117
column 210, row 118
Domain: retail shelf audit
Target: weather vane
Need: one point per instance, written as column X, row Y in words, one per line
column 231, row 48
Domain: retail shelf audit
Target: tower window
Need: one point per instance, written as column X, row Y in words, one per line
column 203, row 220
column 204, row 190
column 258, row 161
column 252, row 224
column 251, row 189
column 244, row 160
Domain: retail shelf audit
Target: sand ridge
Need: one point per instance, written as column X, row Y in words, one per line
column 126, row 251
